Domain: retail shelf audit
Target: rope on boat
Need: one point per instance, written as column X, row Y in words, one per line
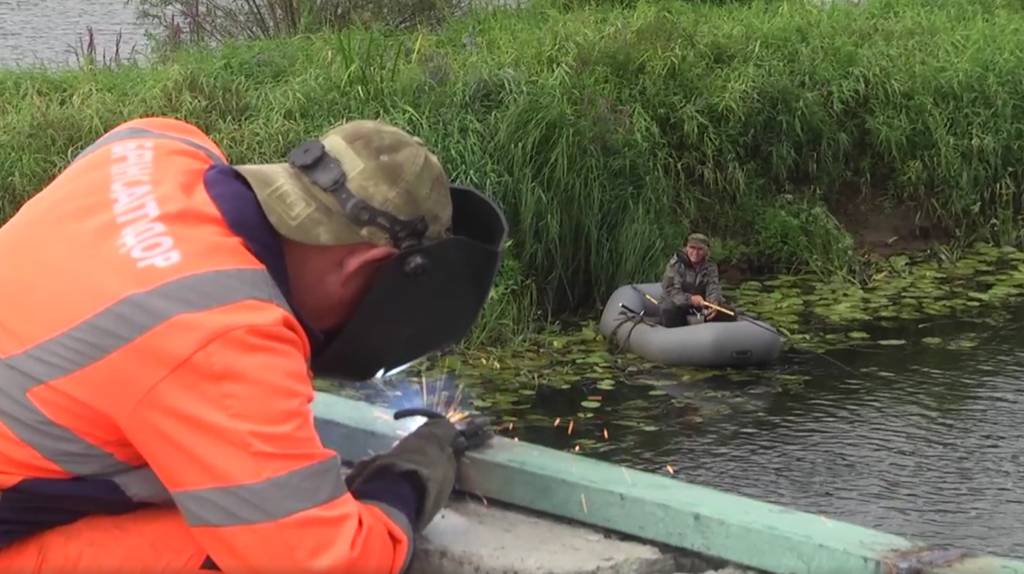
column 629, row 316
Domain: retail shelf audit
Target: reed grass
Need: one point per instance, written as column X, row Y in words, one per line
column 608, row 133
column 189, row 22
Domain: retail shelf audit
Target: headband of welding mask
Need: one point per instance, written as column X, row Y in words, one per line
column 425, row 298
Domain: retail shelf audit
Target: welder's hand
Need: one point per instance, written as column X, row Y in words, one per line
column 474, row 432
column 429, row 452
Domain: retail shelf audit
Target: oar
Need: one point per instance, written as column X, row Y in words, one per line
column 722, row 309
column 648, row 295
column 652, row 299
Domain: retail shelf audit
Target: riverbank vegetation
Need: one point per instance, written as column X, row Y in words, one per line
column 786, row 130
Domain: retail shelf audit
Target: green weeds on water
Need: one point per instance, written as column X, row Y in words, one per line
column 608, row 133
column 906, row 308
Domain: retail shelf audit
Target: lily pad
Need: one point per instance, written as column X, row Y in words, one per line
column 932, row 341
column 892, row 342
column 965, row 344
column 590, row 404
column 858, row 335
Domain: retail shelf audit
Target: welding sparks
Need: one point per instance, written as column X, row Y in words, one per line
column 605, row 434
column 570, row 426
column 558, row 420
column 458, row 397
column 442, row 401
column 583, row 500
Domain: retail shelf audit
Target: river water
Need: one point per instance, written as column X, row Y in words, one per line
column 915, row 440
column 925, row 443
column 34, row 32
column 47, row 32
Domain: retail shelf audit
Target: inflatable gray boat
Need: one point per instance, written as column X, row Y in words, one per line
column 716, row 344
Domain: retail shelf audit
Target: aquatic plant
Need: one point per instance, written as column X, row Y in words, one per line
column 88, row 55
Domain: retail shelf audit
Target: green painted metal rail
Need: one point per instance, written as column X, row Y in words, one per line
column 657, row 508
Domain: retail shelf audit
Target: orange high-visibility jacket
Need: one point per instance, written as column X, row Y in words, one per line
column 140, row 337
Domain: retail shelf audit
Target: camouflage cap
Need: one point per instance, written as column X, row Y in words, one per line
column 388, row 174
column 698, row 239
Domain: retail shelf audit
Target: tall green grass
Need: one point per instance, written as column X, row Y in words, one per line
column 190, row 22
column 608, row 133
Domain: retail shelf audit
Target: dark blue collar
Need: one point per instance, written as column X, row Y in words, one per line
column 240, row 208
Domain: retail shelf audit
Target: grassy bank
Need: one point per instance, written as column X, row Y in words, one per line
column 608, row 133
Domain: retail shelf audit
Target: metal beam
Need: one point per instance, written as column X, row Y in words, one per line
column 657, row 508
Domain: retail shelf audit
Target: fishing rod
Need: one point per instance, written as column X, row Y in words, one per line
column 781, row 332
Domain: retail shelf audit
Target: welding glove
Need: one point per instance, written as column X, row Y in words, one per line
column 474, row 432
column 429, row 452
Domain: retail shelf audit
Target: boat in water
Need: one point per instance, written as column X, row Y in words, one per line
column 632, row 318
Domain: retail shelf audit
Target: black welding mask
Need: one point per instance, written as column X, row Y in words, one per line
column 425, row 298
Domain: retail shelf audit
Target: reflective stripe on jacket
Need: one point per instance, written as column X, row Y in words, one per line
column 143, row 346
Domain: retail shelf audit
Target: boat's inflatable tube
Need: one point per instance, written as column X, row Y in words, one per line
column 716, row 344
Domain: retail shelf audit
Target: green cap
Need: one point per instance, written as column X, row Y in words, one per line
column 387, row 170
column 698, row 239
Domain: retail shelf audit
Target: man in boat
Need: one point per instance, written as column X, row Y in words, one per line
column 166, row 314
column 690, row 282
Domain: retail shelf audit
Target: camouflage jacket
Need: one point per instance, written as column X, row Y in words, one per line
column 681, row 279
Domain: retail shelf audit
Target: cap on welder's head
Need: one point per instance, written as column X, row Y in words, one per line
column 362, row 181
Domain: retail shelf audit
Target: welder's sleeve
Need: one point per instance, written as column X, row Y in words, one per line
column 230, row 434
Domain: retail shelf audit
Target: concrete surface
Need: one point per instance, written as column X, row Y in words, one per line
column 469, row 537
